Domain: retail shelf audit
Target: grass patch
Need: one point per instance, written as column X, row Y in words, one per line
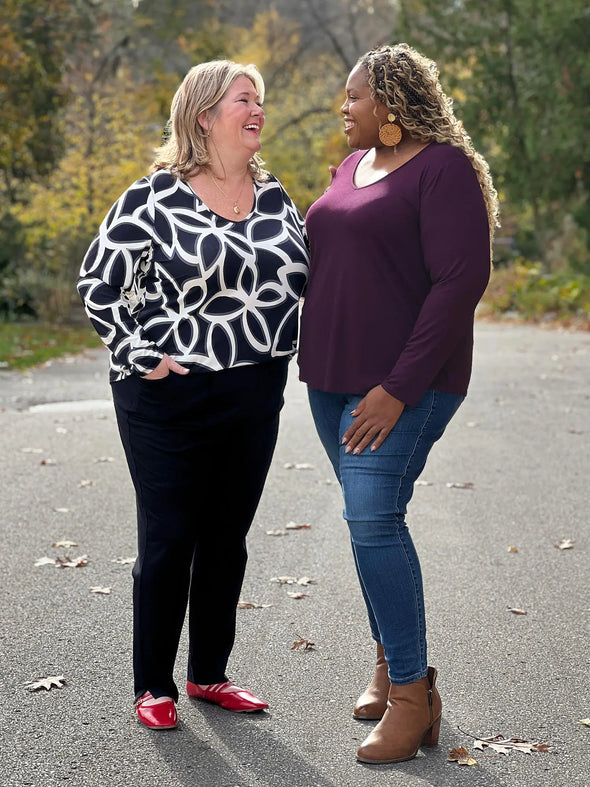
column 27, row 344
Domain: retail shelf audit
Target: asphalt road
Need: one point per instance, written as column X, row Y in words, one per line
column 521, row 439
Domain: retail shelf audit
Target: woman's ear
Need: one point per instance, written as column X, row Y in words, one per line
column 203, row 119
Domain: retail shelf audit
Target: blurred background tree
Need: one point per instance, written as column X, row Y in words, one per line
column 85, row 90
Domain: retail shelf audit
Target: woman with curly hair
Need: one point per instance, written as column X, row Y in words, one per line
column 400, row 256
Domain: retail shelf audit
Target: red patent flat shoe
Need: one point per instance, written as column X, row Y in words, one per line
column 227, row 695
column 159, row 716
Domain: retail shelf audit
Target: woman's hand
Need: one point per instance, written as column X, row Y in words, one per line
column 375, row 417
column 163, row 369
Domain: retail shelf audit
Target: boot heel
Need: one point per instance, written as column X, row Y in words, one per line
column 431, row 735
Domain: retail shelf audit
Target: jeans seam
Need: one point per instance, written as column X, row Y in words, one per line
column 419, row 611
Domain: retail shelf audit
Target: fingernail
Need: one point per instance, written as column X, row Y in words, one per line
column 356, row 452
column 343, row 441
column 347, row 450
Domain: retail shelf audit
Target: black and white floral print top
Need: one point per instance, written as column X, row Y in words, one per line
column 167, row 275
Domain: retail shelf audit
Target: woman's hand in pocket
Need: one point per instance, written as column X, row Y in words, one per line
column 163, row 369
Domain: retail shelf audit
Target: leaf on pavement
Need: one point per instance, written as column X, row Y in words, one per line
column 65, row 544
column 585, row 722
column 506, row 745
column 565, row 543
column 61, row 510
column 460, row 485
column 284, row 580
column 32, row 450
column 47, row 462
column 517, row 611
column 57, row 681
column 295, row 526
column 512, row 549
column 68, row 562
column 104, row 459
column 123, row 561
column 100, row 591
column 277, row 533
column 420, row 482
column 302, row 643
column 306, row 581
column 298, row 466
column 85, row 482
column 252, row 605
column 461, row 757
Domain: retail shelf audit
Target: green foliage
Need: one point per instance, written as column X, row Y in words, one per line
column 523, row 289
column 24, row 344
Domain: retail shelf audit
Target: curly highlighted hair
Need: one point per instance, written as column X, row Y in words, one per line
column 407, row 83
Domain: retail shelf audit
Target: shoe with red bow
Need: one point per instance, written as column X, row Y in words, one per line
column 156, row 713
column 228, row 696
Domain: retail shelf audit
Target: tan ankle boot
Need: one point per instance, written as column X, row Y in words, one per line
column 372, row 703
column 412, row 718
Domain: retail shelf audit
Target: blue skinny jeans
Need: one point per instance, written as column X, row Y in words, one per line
column 377, row 487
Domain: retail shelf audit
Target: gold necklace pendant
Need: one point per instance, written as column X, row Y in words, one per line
column 236, row 207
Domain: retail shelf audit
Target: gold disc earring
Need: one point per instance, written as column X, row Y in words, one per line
column 389, row 133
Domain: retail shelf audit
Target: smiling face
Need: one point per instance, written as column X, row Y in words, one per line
column 362, row 114
column 238, row 118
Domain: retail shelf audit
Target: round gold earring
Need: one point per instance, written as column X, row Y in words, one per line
column 389, row 133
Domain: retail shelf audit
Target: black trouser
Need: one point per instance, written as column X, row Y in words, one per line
column 198, row 448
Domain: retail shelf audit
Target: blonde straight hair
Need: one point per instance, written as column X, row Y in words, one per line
column 185, row 151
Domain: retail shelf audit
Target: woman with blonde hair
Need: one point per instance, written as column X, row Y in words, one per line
column 400, row 256
column 193, row 283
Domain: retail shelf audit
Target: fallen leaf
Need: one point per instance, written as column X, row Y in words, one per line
column 100, row 591
column 295, row 526
column 422, row 483
column 47, row 683
column 326, row 481
column 252, row 605
column 460, row 485
column 297, row 594
column 461, row 757
column 61, row 510
column 298, row 466
column 104, row 459
column 284, row 580
column 61, row 430
column 302, row 643
column 65, row 544
column 68, row 562
column 123, row 561
column 471, row 424
column 517, row 611
column 506, row 745
column 47, row 462
column 512, row 549
column 585, row 722
column 32, row 450
column 565, row 543
column 277, row 533
column 85, row 482
column 306, row 581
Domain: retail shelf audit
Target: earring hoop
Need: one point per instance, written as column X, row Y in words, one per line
column 389, row 133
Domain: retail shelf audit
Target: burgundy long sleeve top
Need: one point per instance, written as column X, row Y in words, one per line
column 397, row 269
